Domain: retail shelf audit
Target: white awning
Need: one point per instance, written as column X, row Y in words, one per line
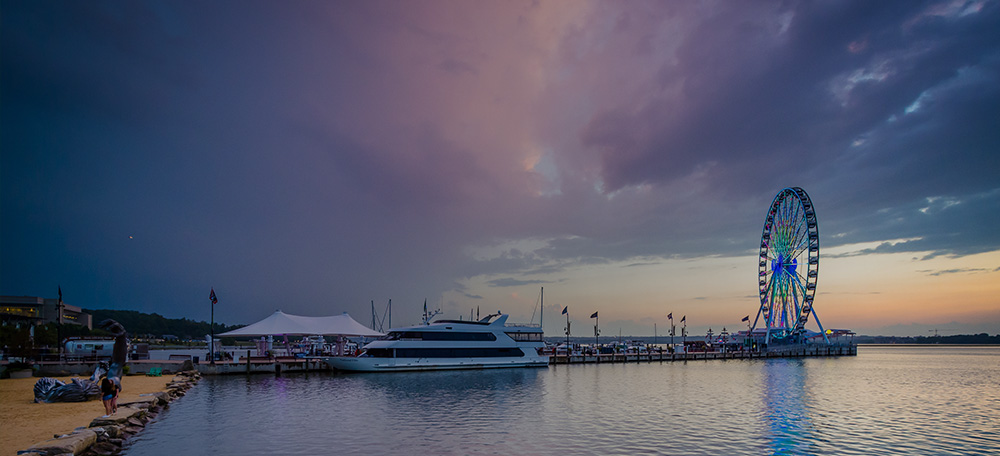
column 280, row 323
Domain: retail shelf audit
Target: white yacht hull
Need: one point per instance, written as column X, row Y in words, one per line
column 367, row 364
column 450, row 344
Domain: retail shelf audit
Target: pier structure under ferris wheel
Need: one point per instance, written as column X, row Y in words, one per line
column 789, row 267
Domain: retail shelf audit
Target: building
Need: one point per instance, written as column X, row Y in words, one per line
column 18, row 310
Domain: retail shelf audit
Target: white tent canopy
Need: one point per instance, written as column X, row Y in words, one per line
column 280, row 323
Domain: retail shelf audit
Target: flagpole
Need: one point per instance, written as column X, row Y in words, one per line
column 684, row 335
column 211, row 329
column 567, row 334
column 670, row 317
column 597, row 331
column 211, row 341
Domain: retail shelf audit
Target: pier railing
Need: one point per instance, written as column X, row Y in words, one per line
column 781, row 352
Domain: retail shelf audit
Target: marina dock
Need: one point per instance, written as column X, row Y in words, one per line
column 660, row 356
column 249, row 365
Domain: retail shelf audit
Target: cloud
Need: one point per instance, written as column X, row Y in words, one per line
column 312, row 153
column 941, row 272
column 511, row 282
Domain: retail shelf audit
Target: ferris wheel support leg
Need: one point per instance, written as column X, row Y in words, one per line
column 760, row 312
column 821, row 330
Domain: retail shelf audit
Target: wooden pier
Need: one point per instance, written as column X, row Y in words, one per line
column 809, row 351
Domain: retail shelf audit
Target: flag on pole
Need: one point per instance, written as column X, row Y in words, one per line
column 565, row 309
column 746, row 318
column 594, row 315
column 670, row 316
column 212, row 297
column 684, row 318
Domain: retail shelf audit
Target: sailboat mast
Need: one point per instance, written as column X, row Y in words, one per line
column 541, row 314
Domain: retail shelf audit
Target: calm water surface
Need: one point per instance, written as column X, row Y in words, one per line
column 887, row 400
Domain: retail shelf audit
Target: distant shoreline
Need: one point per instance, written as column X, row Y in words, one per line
column 928, row 345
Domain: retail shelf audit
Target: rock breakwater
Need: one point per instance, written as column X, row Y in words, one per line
column 106, row 436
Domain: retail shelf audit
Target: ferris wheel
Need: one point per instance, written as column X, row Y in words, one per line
column 789, row 265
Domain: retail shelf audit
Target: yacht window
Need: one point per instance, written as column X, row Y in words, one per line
column 526, row 336
column 442, row 335
column 458, row 352
column 378, row 352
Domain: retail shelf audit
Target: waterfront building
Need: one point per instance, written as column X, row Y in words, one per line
column 34, row 310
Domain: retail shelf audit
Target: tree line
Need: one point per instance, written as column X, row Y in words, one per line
column 156, row 325
column 960, row 339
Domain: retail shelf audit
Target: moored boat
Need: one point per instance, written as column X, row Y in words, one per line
column 451, row 344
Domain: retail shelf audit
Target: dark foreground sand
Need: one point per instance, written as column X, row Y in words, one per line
column 24, row 423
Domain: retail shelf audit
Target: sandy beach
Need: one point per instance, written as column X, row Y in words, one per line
column 24, row 423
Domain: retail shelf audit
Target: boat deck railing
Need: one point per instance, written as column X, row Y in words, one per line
column 526, row 325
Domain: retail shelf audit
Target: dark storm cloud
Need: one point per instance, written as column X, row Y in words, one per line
column 867, row 105
column 313, row 157
column 769, row 92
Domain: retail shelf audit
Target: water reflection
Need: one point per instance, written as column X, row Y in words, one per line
column 885, row 401
column 786, row 408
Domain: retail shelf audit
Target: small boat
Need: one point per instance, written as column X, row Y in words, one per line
column 450, row 344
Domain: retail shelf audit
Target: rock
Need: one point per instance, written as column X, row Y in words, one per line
column 135, row 421
column 132, row 429
column 111, row 431
column 105, row 448
column 73, row 443
column 124, row 413
column 142, row 402
column 162, row 397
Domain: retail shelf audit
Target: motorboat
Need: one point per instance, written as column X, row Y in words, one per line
column 450, row 344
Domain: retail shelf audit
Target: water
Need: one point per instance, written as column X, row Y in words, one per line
column 887, row 400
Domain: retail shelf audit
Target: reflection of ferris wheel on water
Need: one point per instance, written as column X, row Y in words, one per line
column 789, row 265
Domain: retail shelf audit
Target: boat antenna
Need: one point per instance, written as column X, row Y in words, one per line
column 429, row 316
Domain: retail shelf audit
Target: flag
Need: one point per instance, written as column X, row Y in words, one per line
column 565, row 309
column 684, row 318
column 746, row 318
column 594, row 315
column 212, row 297
column 670, row 316
column 60, row 293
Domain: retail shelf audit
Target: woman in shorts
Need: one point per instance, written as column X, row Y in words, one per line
column 109, row 392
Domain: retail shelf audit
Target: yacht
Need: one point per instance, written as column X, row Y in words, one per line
column 450, row 344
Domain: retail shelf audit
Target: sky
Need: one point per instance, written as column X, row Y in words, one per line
column 316, row 157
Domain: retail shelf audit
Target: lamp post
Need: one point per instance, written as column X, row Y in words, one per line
column 59, row 308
